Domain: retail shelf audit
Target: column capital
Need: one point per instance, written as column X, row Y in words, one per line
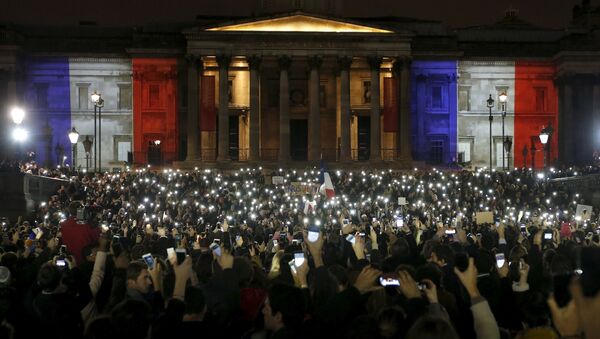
column 315, row 61
column 284, row 62
column 254, row 62
column 223, row 60
column 400, row 64
column 344, row 62
column 374, row 62
column 193, row 59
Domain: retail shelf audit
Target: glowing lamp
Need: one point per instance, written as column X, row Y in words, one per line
column 17, row 114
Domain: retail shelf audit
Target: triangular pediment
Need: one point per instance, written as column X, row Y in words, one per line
column 299, row 23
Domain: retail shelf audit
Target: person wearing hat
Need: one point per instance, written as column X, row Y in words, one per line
column 77, row 234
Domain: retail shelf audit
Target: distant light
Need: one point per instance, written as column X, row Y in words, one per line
column 20, row 134
column 17, row 114
column 503, row 97
column 95, row 96
column 73, row 136
column 540, row 175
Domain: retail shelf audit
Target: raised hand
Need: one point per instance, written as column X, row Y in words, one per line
column 367, row 280
column 430, row 291
column 469, row 278
column 408, row 285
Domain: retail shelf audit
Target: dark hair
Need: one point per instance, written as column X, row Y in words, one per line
column 289, row 301
column 431, row 328
column 194, row 300
column 363, row 327
column 400, row 248
column 48, row 277
column 391, row 322
column 130, row 319
column 432, row 272
column 535, row 310
column 444, row 252
column 73, row 206
column 98, row 328
column 134, row 269
column 244, row 270
column 340, row 274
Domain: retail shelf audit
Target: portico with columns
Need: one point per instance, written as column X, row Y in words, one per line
column 296, row 87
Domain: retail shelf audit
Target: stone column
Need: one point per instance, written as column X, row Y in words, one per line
column 375, row 153
column 193, row 101
column 595, row 114
column 314, row 116
column 254, row 65
column 404, row 138
column 344, row 64
column 223, row 149
column 284, row 109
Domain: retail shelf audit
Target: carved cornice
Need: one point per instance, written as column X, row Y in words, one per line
column 152, row 74
column 486, row 63
column 95, row 60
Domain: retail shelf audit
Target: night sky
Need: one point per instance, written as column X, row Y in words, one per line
column 455, row 13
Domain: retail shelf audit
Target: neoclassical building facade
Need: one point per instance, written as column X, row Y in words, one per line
column 298, row 87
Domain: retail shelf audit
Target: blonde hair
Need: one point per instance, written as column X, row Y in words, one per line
column 274, row 271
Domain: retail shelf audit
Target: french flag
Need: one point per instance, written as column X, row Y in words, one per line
column 309, row 206
column 326, row 188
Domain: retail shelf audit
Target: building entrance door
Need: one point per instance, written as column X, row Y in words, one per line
column 154, row 153
column 299, row 139
column 364, row 140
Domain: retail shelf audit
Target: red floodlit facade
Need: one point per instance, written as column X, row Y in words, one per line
column 155, row 110
column 536, row 107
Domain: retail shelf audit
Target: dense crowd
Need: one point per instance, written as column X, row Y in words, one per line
column 257, row 254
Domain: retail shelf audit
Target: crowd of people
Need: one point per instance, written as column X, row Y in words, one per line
column 264, row 254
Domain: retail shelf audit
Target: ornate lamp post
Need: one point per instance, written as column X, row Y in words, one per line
column 507, row 147
column 533, row 150
column 17, row 115
column 503, row 99
column 19, row 134
column 524, row 152
column 73, row 137
column 60, row 151
column 544, row 139
column 490, row 104
column 87, row 146
column 98, row 104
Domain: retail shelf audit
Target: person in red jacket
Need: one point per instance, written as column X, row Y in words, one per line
column 77, row 234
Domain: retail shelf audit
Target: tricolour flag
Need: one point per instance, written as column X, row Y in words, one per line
column 326, row 188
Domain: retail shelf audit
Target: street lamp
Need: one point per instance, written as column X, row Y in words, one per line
column 544, row 139
column 98, row 104
column 60, row 151
column 507, row 148
column 17, row 114
column 19, row 134
column 503, row 98
column 73, row 137
column 87, row 147
column 490, row 104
